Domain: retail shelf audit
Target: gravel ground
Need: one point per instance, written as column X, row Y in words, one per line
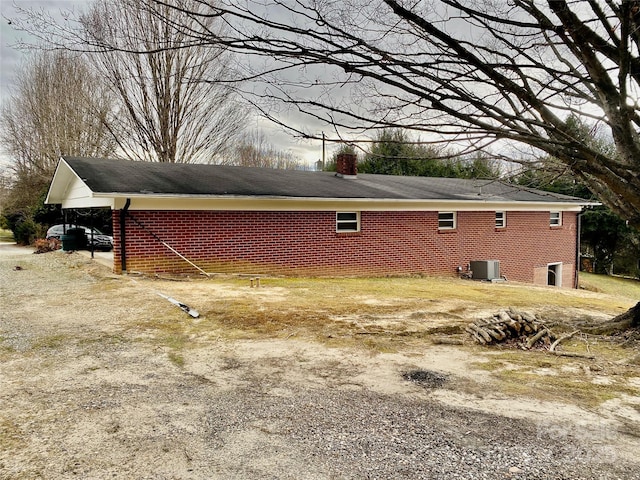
column 86, row 393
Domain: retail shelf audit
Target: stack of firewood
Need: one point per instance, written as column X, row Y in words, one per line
column 510, row 324
column 520, row 329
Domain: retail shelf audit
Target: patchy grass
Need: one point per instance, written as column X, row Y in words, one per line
column 392, row 315
column 5, row 348
column 177, row 343
column 354, row 310
column 118, row 341
column 176, row 358
column 331, row 308
column 623, row 287
column 105, row 339
column 50, row 342
column 543, row 376
column 11, row 435
column 6, row 236
column 581, row 390
column 165, row 326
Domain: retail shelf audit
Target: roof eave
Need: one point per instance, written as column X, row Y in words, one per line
column 249, row 202
column 55, row 181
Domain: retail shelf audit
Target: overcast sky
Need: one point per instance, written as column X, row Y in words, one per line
column 11, row 58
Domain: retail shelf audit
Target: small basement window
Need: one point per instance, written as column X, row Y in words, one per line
column 347, row 221
column 555, row 219
column 446, row 220
column 501, row 219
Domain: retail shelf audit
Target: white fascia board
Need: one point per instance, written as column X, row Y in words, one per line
column 70, row 191
column 173, row 202
column 59, row 183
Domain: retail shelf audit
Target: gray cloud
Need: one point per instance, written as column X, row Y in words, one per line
column 10, row 56
column 11, row 59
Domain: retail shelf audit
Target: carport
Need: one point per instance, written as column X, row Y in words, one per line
column 74, row 238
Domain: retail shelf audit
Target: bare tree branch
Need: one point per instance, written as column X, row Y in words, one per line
column 492, row 72
column 59, row 107
column 174, row 106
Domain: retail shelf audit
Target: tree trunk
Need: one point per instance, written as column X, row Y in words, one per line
column 624, row 321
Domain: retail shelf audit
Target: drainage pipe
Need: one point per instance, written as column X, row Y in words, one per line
column 123, row 236
column 91, row 221
column 578, row 248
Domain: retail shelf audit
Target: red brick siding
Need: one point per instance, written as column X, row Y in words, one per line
column 305, row 243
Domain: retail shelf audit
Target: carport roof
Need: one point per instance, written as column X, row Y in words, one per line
column 124, row 178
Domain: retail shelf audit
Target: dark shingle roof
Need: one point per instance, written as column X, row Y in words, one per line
column 124, row 177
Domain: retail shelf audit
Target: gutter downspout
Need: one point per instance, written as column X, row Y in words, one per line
column 91, row 226
column 578, row 248
column 123, row 236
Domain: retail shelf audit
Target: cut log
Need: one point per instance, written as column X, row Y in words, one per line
column 488, row 323
column 553, row 346
column 574, row 355
column 503, row 325
column 481, row 332
column 503, row 330
column 474, row 334
column 496, row 334
column 532, row 341
column 515, row 314
column 446, row 341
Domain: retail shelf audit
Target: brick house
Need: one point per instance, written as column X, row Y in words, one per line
column 185, row 218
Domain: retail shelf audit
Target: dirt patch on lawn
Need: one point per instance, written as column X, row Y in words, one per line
column 103, row 378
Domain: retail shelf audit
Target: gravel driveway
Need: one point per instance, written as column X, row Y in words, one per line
column 86, row 391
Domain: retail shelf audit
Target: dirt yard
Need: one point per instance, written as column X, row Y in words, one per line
column 100, row 377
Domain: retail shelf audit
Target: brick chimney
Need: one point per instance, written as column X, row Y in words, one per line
column 346, row 165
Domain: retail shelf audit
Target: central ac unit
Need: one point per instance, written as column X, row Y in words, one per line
column 485, row 269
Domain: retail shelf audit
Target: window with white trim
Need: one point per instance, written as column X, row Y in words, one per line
column 446, row 220
column 555, row 219
column 501, row 219
column 347, row 221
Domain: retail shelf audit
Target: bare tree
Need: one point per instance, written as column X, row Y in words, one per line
column 5, row 188
column 175, row 106
column 59, row 107
column 482, row 72
column 488, row 74
column 254, row 150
